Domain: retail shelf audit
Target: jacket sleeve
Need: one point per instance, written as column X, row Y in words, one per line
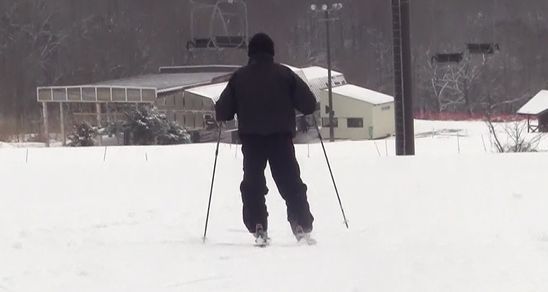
column 303, row 99
column 225, row 107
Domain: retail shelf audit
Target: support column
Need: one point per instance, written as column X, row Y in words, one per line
column 403, row 102
column 109, row 119
column 98, row 110
column 329, row 80
column 46, row 126
column 62, row 122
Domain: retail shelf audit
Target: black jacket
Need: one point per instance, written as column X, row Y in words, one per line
column 265, row 96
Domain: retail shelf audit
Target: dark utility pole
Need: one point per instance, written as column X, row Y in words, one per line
column 326, row 9
column 403, row 89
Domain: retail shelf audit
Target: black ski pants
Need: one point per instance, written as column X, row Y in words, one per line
column 279, row 152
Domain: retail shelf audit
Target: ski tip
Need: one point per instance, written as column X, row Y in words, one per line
column 308, row 241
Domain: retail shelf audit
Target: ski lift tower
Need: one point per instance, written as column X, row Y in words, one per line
column 218, row 25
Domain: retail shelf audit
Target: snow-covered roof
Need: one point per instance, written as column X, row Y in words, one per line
column 316, row 72
column 199, row 69
column 299, row 73
column 165, row 82
column 294, row 69
column 212, row 91
column 363, row 94
column 537, row 105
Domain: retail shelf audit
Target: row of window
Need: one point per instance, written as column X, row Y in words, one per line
column 335, row 83
column 350, row 122
column 189, row 119
column 189, row 102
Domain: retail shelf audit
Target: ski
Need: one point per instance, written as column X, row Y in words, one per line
column 302, row 236
column 307, row 240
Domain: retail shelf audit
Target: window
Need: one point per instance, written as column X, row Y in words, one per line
column 354, row 123
column 325, row 122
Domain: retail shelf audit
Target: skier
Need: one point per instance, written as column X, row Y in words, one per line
column 264, row 96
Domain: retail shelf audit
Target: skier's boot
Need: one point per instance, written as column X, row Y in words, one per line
column 302, row 236
column 261, row 236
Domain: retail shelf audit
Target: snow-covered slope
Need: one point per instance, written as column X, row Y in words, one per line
column 131, row 219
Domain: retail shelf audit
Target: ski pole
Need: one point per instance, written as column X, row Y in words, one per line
column 331, row 172
column 212, row 181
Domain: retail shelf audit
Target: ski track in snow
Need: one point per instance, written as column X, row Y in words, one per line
column 440, row 221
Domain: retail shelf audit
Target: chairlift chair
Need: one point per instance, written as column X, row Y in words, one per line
column 483, row 48
column 218, row 24
column 448, row 58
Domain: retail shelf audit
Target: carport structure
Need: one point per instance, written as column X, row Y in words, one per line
column 102, row 99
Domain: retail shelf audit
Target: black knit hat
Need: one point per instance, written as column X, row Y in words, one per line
column 260, row 43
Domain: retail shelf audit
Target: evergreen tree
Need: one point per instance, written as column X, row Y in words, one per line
column 83, row 135
column 146, row 126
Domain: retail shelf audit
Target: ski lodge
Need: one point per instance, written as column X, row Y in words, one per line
column 363, row 113
column 186, row 95
column 536, row 108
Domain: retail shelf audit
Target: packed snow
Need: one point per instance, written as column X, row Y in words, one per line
column 455, row 217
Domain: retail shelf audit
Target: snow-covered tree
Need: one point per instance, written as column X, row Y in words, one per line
column 146, row 126
column 83, row 135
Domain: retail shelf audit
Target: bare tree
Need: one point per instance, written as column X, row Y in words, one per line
column 517, row 137
column 382, row 51
column 30, row 53
column 451, row 83
column 440, row 79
